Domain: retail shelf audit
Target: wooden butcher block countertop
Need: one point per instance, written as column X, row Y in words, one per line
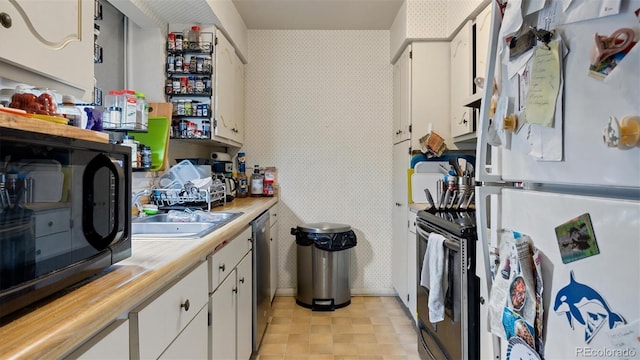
column 23, row 122
column 58, row 326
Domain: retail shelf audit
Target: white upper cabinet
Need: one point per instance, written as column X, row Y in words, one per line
column 461, row 81
column 429, row 91
column 483, row 33
column 402, row 97
column 229, row 91
column 48, row 44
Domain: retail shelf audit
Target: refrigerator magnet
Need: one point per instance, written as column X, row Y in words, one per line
column 576, row 239
column 585, row 306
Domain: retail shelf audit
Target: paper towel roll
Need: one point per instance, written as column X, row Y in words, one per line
column 220, row 156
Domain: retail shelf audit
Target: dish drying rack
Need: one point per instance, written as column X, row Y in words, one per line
column 189, row 196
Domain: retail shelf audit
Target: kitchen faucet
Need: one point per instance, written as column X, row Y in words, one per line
column 135, row 200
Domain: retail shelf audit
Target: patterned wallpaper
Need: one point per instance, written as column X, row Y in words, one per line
column 319, row 108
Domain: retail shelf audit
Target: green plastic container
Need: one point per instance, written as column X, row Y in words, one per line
column 157, row 137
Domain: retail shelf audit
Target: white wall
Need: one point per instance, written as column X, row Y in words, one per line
column 319, row 108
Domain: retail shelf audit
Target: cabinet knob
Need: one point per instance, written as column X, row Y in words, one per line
column 481, row 300
column 5, row 20
column 185, row 305
column 241, row 280
column 235, row 290
column 50, row 224
column 222, row 267
column 250, row 240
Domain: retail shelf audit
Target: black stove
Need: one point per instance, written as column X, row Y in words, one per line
column 457, row 336
column 459, row 223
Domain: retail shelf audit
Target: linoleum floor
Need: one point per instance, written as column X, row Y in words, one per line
column 371, row 328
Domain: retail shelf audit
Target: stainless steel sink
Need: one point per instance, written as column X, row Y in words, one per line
column 163, row 226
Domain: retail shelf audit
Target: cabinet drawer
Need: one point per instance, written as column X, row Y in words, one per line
column 52, row 221
column 222, row 262
column 158, row 321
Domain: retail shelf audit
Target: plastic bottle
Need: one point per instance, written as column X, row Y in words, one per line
column 130, row 104
column 112, row 114
column 146, row 157
column 194, row 38
column 243, row 185
column 69, row 110
column 269, row 179
column 142, row 112
column 130, row 142
column 257, row 182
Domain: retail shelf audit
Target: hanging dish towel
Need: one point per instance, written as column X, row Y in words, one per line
column 432, row 274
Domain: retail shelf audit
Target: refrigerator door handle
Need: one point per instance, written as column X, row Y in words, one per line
column 482, row 169
column 483, row 194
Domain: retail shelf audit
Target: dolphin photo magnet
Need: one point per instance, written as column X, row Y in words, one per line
column 584, row 305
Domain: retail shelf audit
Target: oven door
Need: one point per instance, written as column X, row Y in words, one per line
column 445, row 339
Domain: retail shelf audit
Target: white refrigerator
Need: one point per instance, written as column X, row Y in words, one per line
column 553, row 179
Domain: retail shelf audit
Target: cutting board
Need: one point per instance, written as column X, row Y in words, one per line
column 420, row 181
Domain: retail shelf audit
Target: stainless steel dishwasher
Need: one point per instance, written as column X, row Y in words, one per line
column 261, row 277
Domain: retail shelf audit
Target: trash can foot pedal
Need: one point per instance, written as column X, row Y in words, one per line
column 323, row 304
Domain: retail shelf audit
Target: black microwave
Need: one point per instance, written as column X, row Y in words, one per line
column 65, row 213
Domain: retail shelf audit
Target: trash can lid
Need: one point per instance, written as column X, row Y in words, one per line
column 324, row 228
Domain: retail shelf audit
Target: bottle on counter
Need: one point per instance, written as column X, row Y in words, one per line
column 269, row 181
column 69, row 110
column 243, row 183
column 257, row 182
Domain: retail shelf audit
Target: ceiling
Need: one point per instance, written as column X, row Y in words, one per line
column 318, row 14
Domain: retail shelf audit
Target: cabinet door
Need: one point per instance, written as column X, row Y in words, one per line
column 245, row 305
column 223, row 327
column 50, row 38
column 273, row 260
column 481, row 46
column 412, row 267
column 401, row 161
column 224, row 87
column 159, row 320
column 238, row 100
column 110, row 343
column 192, row 341
column 430, row 91
column 402, row 96
column 461, row 80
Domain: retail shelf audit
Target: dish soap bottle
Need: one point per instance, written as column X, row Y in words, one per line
column 243, row 185
column 257, row 182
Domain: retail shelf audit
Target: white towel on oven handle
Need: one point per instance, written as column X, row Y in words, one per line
column 433, row 269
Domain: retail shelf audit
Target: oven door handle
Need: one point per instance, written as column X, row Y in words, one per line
column 453, row 245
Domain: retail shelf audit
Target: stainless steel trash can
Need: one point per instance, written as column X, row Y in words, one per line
column 323, row 264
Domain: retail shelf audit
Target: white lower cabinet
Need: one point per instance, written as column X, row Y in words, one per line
column 188, row 345
column 223, row 308
column 231, row 300
column 244, row 273
column 110, row 343
column 160, row 321
column 412, row 267
column 273, row 251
